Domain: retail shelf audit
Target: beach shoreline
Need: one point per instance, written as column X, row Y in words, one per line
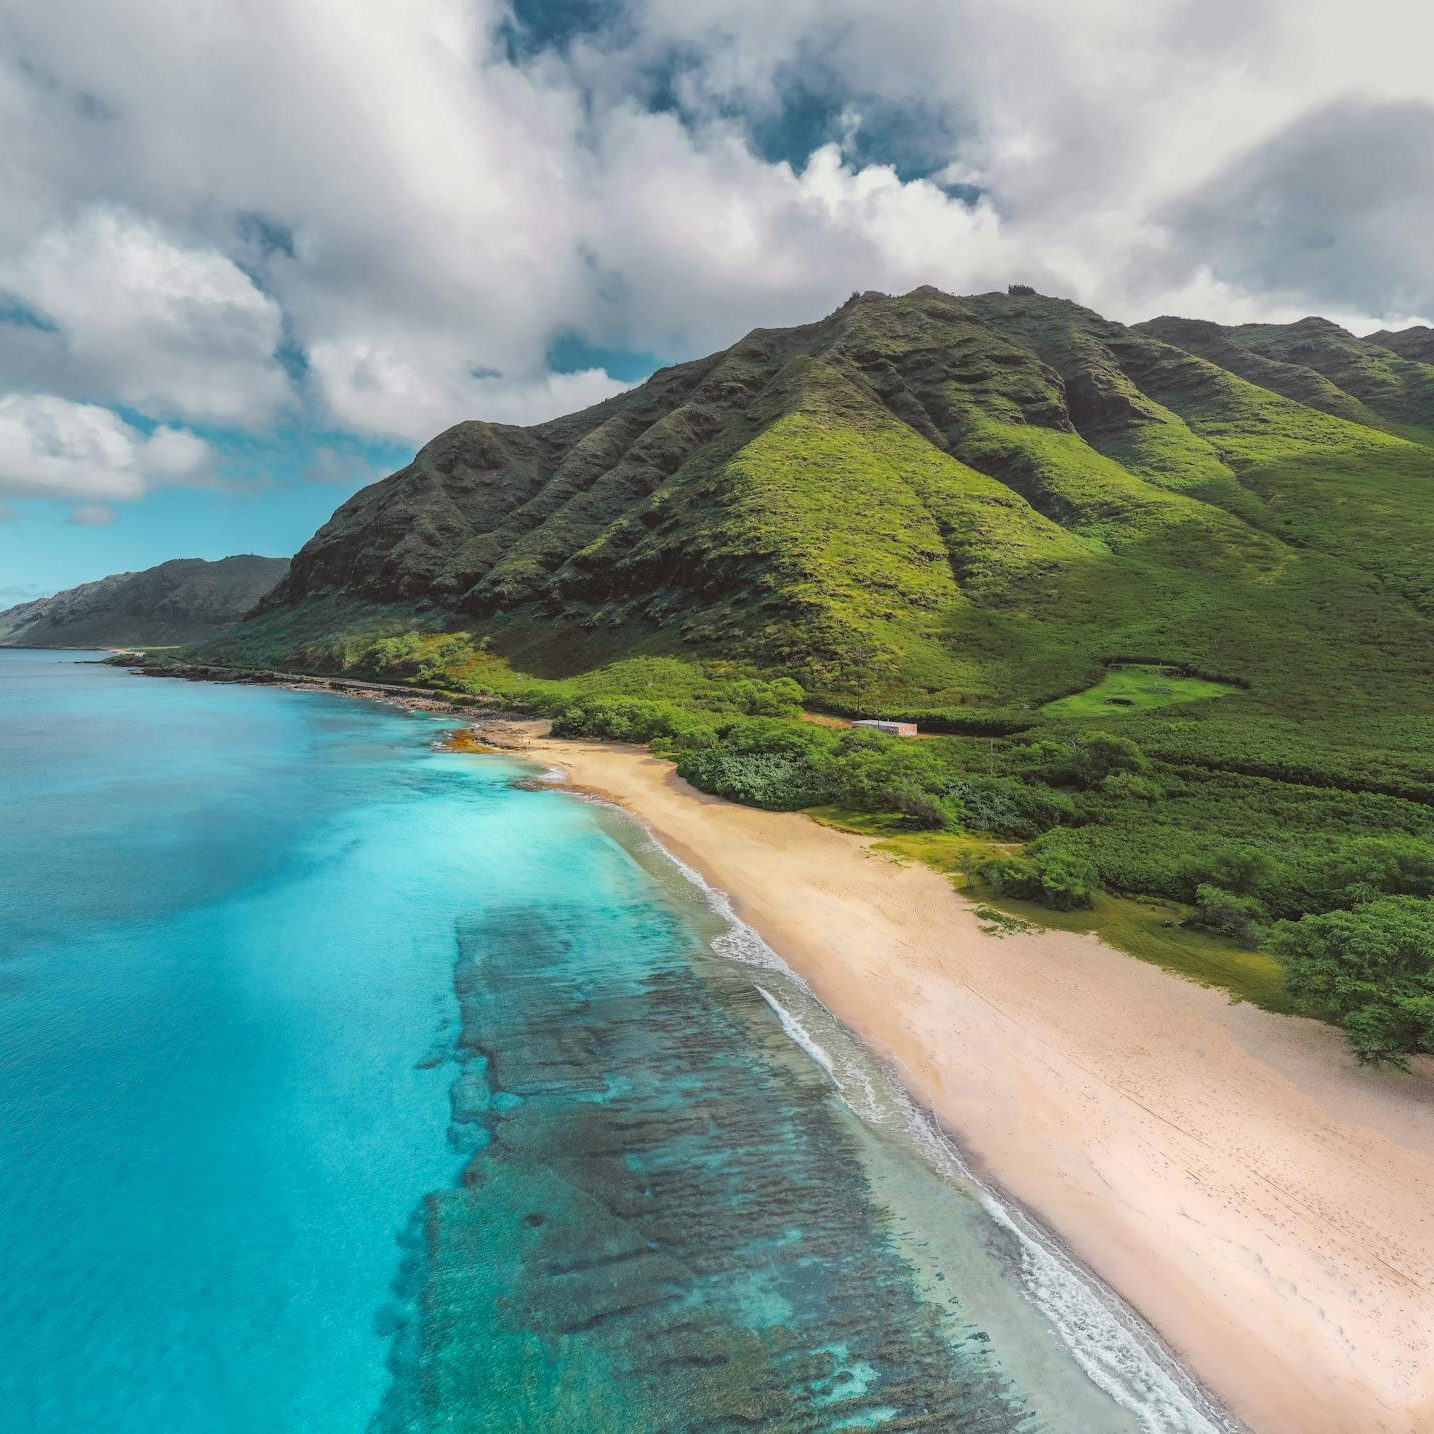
column 1266, row 1204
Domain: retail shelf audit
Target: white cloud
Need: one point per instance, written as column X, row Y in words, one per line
column 51, row 447
column 415, row 393
column 171, row 329
column 338, row 469
column 1341, row 202
column 185, row 188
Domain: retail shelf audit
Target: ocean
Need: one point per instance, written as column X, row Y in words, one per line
column 347, row 1084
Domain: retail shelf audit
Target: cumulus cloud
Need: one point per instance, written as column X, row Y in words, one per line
column 168, row 328
column 407, row 203
column 1341, row 203
column 332, row 467
column 51, row 447
column 417, row 391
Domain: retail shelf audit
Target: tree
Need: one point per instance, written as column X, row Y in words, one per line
column 1371, row 970
column 1237, row 917
column 1099, row 755
column 1058, row 879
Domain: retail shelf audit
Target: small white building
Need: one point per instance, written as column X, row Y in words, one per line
column 892, row 729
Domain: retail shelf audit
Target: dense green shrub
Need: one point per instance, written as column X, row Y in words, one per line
column 635, row 719
column 779, row 697
column 877, row 771
column 1132, row 785
column 770, row 734
column 1010, row 808
column 1228, row 914
column 780, row 781
column 1084, row 760
column 1371, row 969
column 418, row 657
column 1062, row 880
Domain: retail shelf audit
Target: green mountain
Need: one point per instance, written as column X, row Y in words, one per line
column 927, row 501
column 182, row 601
column 1412, row 343
column 1167, row 589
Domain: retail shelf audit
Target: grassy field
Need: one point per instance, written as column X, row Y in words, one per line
column 1136, row 688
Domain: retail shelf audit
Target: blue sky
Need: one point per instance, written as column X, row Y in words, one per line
column 252, row 259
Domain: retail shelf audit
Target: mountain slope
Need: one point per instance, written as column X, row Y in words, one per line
column 181, row 601
column 1412, row 343
column 924, row 499
column 1318, row 362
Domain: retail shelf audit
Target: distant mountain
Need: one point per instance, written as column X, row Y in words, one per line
column 1385, row 378
column 181, row 601
column 1413, row 343
column 926, row 499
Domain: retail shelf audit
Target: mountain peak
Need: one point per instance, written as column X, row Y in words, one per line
column 866, row 500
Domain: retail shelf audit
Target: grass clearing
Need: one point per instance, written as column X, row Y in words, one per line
column 1137, row 687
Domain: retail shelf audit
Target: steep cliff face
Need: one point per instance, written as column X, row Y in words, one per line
column 891, row 493
column 184, row 600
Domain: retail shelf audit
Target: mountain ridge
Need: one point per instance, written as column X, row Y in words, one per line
column 183, row 600
column 978, row 450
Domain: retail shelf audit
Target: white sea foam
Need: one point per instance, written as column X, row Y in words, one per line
column 739, row 942
column 794, row 1028
column 1117, row 1350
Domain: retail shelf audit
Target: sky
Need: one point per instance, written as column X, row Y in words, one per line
column 253, row 255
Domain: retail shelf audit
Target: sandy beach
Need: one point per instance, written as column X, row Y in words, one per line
column 1263, row 1201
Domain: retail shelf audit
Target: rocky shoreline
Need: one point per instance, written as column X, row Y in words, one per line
column 503, row 727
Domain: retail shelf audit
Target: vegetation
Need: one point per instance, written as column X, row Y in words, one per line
column 1159, row 596
column 1371, row 969
column 1059, row 879
column 1137, row 687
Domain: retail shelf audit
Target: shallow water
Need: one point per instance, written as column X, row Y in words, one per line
column 346, row 1085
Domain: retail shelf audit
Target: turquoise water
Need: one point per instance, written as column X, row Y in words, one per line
column 348, row 1085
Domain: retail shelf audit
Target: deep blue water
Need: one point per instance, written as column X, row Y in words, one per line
column 345, row 1085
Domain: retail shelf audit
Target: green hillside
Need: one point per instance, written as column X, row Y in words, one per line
column 992, row 514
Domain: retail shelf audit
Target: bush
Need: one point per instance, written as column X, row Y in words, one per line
column 1099, row 756
column 1010, row 808
column 634, row 719
column 1227, row 914
column 1085, row 760
column 1243, row 869
column 1371, row 970
column 1387, row 1031
column 771, row 734
column 883, row 773
column 779, row 781
column 918, row 809
column 1059, row 879
column 780, row 697
column 1132, row 786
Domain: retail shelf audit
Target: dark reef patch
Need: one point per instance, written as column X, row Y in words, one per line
column 664, row 1224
